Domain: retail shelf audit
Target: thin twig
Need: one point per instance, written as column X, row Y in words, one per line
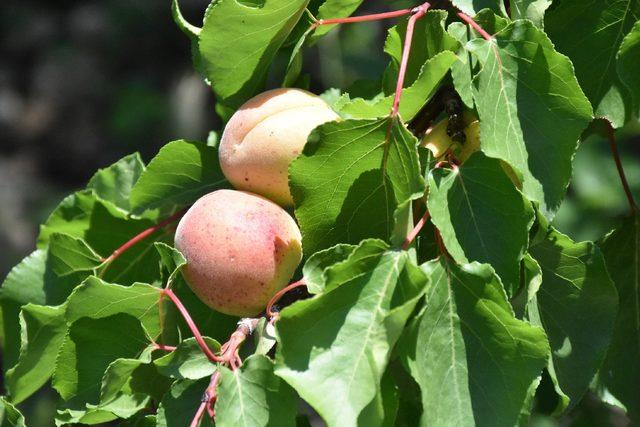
column 616, row 157
column 142, row 235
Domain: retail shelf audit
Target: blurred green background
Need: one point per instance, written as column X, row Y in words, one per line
column 83, row 83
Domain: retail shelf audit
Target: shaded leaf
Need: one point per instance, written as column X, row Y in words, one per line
column 590, row 33
column 621, row 371
column 238, row 42
column 481, row 216
column 471, row 7
column 9, row 415
column 628, row 64
column 577, row 305
column 336, row 364
column 254, row 396
column 43, row 331
column 530, row 106
column 350, row 178
column 474, row 361
column 180, row 403
column 332, row 9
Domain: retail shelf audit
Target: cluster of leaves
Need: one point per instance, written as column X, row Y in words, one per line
column 457, row 330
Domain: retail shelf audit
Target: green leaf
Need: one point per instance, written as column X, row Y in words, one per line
column 44, row 328
column 590, row 33
column 180, row 174
column 68, row 255
column 43, row 331
column 98, row 299
column 628, row 64
column 413, row 97
column 105, row 228
column 336, row 364
column 187, row 361
column 577, row 304
column 332, row 9
column 33, row 281
column 532, row 10
column 238, row 41
column 621, row 372
column 481, row 216
column 9, row 415
column 89, row 348
column 188, row 29
column 181, row 402
column 473, row 360
column 471, row 7
column 172, row 260
column 115, row 182
column 350, row 178
column 530, row 106
column 314, row 268
column 254, row 396
column 429, row 39
column 264, row 336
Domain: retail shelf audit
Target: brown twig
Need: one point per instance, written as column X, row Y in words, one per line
column 616, row 157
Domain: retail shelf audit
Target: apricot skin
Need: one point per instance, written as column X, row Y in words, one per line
column 240, row 249
column 265, row 135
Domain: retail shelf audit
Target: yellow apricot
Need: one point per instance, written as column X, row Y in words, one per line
column 240, row 248
column 265, row 135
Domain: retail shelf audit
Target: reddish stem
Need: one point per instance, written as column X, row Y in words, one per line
column 418, row 13
column 230, row 351
column 163, row 347
column 143, row 235
column 469, row 20
column 412, row 235
column 363, row 18
column 195, row 422
column 270, row 313
column 623, row 177
column 192, row 326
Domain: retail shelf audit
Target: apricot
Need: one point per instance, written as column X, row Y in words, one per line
column 265, row 135
column 438, row 142
column 240, row 248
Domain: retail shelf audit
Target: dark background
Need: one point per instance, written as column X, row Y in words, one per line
column 83, row 83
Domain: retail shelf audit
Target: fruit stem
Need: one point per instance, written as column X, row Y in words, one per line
column 417, row 13
column 141, row 236
column 418, row 227
column 273, row 316
column 623, row 177
column 362, row 18
column 469, row 20
column 192, row 326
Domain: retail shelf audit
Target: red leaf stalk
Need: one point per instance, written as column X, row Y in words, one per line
column 230, row 351
column 418, row 13
column 623, row 177
column 143, row 235
column 469, row 20
column 270, row 313
column 418, row 227
column 192, row 326
column 363, row 18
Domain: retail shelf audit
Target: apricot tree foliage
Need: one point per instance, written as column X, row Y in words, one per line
column 432, row 291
